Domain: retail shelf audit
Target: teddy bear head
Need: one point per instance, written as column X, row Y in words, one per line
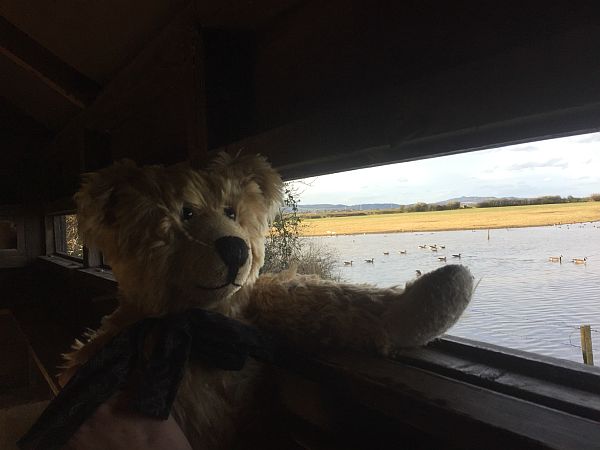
column 177, row 237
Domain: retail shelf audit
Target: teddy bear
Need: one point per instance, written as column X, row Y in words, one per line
column 179, row 238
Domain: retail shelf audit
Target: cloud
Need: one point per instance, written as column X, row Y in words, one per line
column 554, row 162
column 586, row 138
column 523, row 148
column 489, row 170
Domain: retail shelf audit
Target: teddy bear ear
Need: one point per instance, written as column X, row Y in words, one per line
column 255, row 168
column 97, row 198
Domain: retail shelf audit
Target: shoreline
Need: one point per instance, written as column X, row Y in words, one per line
column 455, row 220
column 444, row 229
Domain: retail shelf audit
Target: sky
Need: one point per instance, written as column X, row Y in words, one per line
column 562, row 166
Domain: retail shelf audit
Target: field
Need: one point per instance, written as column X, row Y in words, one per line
column 458, row 219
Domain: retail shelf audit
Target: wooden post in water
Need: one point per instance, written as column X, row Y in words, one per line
column 586, row 344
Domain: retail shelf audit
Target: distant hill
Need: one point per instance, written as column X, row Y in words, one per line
column 329, row 207
column 370, row 206
column 467, row 200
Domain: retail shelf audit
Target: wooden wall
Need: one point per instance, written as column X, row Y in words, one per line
column 329, row 87
column 152, row 112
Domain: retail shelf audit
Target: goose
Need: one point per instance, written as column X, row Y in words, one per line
column 442, row 246
column 418, row 273
column 372, row 260
column 348, row 263
column 403, row 252
column 555, row 258
column 441, row 258
column 386, row 253
column 422, row 246
column 579, row 260
column 434, row 249
column 457, row 255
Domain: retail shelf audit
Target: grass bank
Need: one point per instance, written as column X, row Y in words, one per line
column 458, row 219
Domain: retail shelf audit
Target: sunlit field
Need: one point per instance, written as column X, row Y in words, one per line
column 458, row 219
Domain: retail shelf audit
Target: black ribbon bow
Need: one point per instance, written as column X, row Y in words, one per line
column 218, row 340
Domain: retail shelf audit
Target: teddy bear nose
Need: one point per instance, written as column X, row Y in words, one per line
column 233, row 251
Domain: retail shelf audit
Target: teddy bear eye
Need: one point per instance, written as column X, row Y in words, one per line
column 186, row 213
column 229, row 212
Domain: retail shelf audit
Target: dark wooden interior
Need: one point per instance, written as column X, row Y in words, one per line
column 315, row 86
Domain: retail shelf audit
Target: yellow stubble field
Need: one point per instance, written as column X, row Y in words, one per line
column 458, row 219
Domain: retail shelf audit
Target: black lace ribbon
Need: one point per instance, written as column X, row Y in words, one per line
column 218, row 340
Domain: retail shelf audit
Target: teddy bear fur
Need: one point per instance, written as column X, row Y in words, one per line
column 157, row 228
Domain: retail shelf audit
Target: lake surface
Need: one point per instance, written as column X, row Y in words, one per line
column 523, row 301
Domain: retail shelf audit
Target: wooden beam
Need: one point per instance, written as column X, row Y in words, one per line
column 22, row 50
column 540, row 90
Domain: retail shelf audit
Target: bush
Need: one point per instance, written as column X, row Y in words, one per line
column 283, row 243
column 595, row 197
column 316, row 258
column 284, row 248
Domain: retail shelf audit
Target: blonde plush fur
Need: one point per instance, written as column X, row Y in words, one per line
column 166, row 264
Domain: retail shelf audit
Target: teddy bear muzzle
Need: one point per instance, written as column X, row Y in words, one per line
column 234, row 253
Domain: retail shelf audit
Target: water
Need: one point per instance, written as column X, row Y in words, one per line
column 523, row 301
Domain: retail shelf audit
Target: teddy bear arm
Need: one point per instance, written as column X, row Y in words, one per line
column 430, row 306
column 315, row 313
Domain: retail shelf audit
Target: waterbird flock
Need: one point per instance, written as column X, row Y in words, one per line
column 435, row 247
column 432, row 247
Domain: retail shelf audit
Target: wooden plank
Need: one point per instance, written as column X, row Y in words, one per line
column 56, row 74
column 556, row 370
column 531, row 385
column 462, row 413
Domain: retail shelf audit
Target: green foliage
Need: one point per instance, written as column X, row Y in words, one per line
column 74, row 243
column 284, row 248
column 283, row 242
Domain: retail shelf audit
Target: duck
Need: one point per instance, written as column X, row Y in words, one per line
column 348, row 263
column 555, row 259
column 386, row 253
column 403, row 252
column 418, row 273
column 579, row 260
column 456, row 256
column 442, row 246
column 441, row 258
column 422, row 246
column 433, row 249
column 372, row 260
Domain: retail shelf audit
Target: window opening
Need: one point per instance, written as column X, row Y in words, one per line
column 524, row 218
column 67, row 241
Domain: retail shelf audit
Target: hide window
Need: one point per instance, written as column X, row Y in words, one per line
column 525, row 219
column 67, row 241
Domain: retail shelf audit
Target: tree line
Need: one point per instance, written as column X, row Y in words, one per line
column 544, row 200
column 425, row 207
